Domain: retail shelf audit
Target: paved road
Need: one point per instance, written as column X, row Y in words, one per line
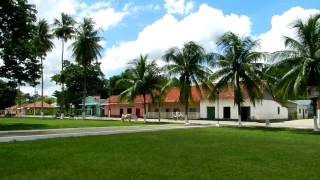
column 29, row 135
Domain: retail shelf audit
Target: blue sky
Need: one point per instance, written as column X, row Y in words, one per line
column 134, row 27
column 260, row 13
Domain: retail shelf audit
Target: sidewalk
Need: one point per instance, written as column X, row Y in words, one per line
column 29, row 135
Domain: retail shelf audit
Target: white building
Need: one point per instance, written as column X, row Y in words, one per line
column 298, row 109
column 222, row 108
column 225, row 108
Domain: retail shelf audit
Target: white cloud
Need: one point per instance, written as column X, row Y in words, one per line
column 133, row 8
column 203, row 26
column 102, row 13
column 272, row 40
column 178, row 6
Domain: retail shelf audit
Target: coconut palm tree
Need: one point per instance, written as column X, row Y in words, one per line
column 43, row 44
column 299, row 64
column 64, row 30
column 237, row 67
column 188, row 65
column 144, row 79
column 86, row 49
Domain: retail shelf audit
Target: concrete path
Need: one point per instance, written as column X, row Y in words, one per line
column 29, row 135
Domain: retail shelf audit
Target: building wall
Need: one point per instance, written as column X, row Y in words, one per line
column 168, row 110
column 115, row 109
column 266, row 109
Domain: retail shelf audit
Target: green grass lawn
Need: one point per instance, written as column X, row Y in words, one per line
column 208, row 153
column 37, row 123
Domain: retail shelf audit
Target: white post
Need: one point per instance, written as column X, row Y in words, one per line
column 267, row 123
column 239, row 121
column 316, row 128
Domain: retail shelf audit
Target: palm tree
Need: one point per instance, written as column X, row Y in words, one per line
column 299, row 64
column 43, row 44
column 188, row 64
column 237, row 67
column 64, row 30
column 86, row 49
column 144, row 79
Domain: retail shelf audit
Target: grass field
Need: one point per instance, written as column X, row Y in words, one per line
column 37, row 123
column 207, row 153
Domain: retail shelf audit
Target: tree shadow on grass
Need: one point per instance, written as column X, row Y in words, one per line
column 279, row 129
column 22, row 126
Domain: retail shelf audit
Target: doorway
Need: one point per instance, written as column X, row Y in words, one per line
column 211, row 113
column 121, row 112
column 138, row 112
column 245, row 113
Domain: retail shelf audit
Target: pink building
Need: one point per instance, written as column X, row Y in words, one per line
column 115, row 108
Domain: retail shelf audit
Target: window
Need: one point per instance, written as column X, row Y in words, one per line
column 299, row 111
column 156, row 110
column 167, row 110
column 278, row 110
column 129, row 110
column 192, row 110
column 226, row 112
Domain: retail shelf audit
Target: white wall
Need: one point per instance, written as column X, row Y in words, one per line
column 266, row 109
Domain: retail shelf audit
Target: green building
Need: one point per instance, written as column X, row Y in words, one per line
column 94, row 106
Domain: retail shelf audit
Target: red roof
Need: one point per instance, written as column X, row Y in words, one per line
column 173, row 95
column 138, row 99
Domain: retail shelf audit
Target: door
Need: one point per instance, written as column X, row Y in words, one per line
column 121, row 112
column 226, row 113
column 245, row 113
column 138, row 112
column 211, row 113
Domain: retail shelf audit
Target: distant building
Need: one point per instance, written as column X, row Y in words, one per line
column 94, row 106
column 30, row 109
column 113, row 107
column 298, row 109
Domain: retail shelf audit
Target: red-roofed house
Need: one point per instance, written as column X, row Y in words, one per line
column 200, row 107
column 113, row 107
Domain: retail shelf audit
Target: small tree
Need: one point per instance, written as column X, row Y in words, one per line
column 188, row 65
column 143, row 78
column 237, row 67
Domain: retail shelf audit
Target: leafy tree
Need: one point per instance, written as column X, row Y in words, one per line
column 238, row 67
column 73, row 77
column 43, row 44
column 117, row 88
column 143, row 78
column 64, row 30
column 188, row 65
column 299, row 64
column 86, row 49
column 8, row 94
column 17, row 28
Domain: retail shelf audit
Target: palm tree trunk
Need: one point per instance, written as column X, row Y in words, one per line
column 186, row 110
column 41, row 87
column 159, row 107
column 62, row 82
column 315, row 117
column 239, row 115
column 144, row 108
column 84, row 93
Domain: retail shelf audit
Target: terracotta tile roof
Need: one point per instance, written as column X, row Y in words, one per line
column 173, row 95
column 115, row 100
column 32, row 105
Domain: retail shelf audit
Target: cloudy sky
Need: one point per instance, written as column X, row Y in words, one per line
column 132, row 27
